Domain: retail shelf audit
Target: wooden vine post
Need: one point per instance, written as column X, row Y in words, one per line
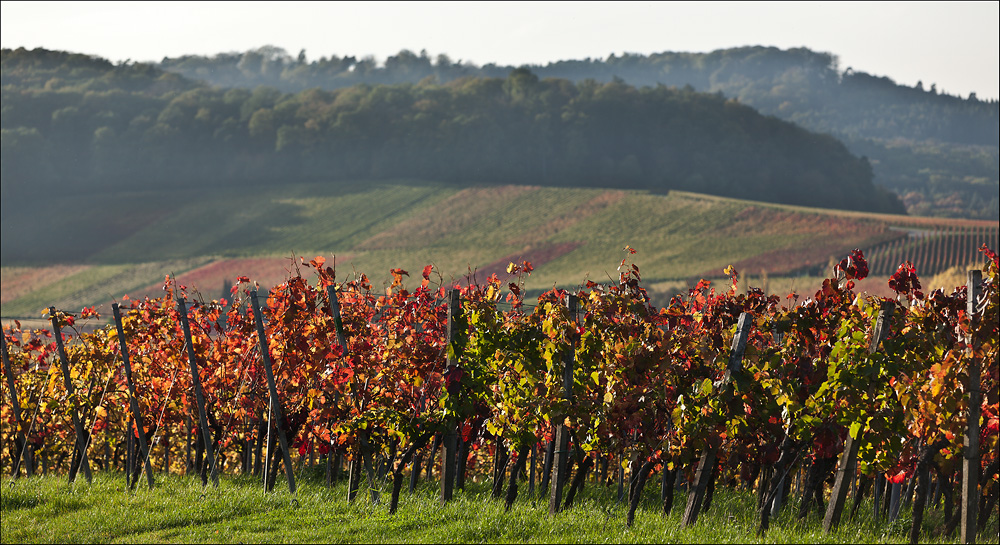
column 878, row 496
column 133, row 400
column 561, row 454
column 450, row 439
column 550, row 449
column 81, row 437
column 363, row 459
column 338, row 323
column 198, row 393
column 276, row 412
column 706, row 465
column 970, row 462
column 531, row 471
column 18, row 420
column 847, row 466
column 332, row 461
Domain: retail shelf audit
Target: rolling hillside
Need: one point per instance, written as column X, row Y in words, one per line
column 209, row 237
column 80, row 125
column 937, row 151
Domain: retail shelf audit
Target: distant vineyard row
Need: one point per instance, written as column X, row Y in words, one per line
column 935, row 250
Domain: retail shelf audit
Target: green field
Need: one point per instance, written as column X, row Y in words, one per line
column 49, row 510
column 91, row 249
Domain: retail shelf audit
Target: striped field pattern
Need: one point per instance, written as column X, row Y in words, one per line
column 933, row 250
column 207, row 238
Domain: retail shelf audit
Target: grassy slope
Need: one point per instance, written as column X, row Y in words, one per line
column 49, row 510
column 569, row 234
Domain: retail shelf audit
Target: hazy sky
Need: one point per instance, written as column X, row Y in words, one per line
column 953, row 44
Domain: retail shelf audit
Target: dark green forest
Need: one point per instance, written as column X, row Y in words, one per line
column 805, row 86
column 76, row 123
column 939, row 151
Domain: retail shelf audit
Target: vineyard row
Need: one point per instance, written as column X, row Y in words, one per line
column 934, row 251
column 714, row 387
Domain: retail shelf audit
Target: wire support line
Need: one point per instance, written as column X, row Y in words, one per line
column 100, row 403
column 232, row 415
column 159, row 421
column 31, row 425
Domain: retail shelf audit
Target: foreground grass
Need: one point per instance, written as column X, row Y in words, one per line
column 179, row 510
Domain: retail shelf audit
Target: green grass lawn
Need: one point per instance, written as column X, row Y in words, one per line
column 180, row 510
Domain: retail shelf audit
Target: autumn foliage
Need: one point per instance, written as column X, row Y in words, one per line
column 645, row 380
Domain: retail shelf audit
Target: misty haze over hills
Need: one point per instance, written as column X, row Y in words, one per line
column 777, row 81
column 72, row 122
column 125, row 171
column 938, row 151
column 103, row 125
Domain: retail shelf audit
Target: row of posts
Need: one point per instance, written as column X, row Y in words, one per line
column 846, row 469
column 80, row 459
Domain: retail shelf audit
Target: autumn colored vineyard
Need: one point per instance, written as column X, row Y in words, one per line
column 933, row 250
column 747, row 389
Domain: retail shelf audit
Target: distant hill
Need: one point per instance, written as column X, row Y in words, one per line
column 938, row 151
column 77, row 124
column 81, row 255
column 801, row 85
column 42, row 69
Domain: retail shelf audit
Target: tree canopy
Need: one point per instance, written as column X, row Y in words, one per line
column 938, row 150
column 72, row 122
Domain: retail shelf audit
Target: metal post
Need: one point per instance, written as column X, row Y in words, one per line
column 199, row 395
column 18, row 420
column 561, row 455
column 531, row 472
column 338, row 323
column 706, row 465
column 133, row 401
column 450, row 439
column 970, row 462
column 276, row 411
column 776, row 504
column 81, row 437
column 847, row 467
column 895, row 493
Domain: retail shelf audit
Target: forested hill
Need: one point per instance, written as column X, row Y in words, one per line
column 805, row 86
column 939, row 151
column 72, row 122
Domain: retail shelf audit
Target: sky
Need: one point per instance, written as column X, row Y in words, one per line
column 955, row 45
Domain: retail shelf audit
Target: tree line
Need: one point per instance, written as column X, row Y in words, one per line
column 76, row 123
column 939, row 151
column 799, row 84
